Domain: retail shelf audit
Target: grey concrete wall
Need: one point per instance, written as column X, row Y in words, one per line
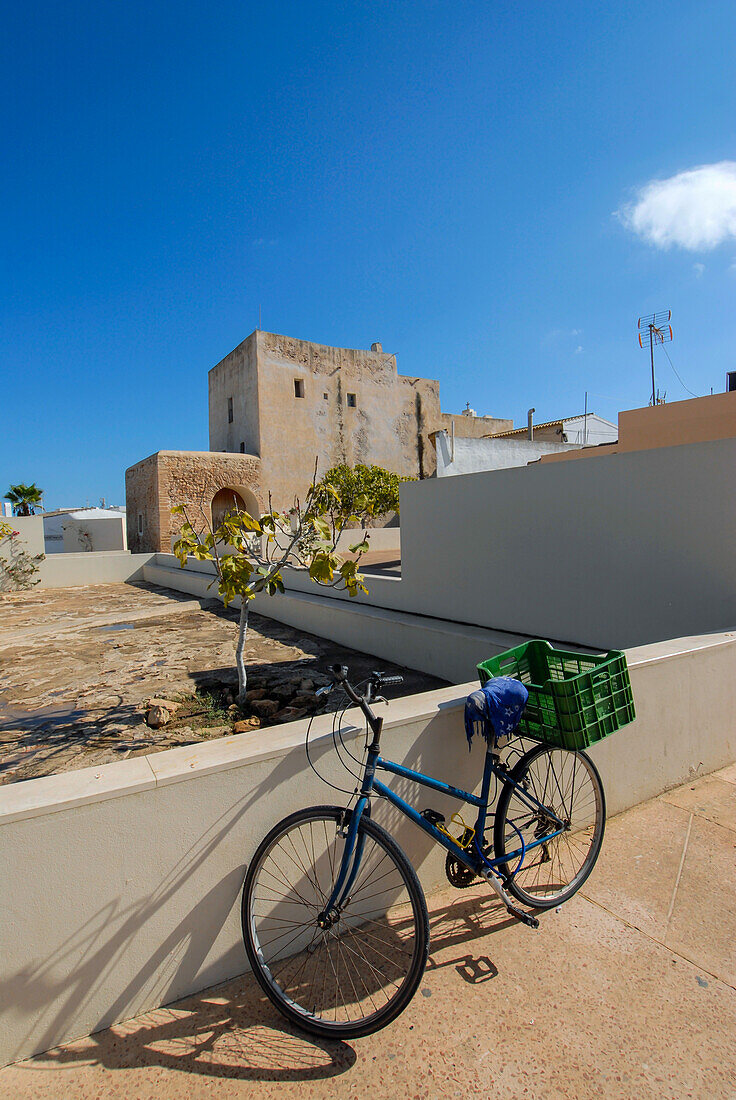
column 103, row 567
column 629, row 549
column 476, row 455
column 121, row 883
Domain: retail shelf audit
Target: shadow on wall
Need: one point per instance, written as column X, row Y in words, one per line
column 54, row 990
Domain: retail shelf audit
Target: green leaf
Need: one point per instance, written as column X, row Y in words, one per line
column 321, row 568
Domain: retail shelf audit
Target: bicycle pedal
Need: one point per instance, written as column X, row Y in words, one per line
column 525, row 918
column 434, row 817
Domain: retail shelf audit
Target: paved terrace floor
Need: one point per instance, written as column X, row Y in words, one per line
column 627, row 992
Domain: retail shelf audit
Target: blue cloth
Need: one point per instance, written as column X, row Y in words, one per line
column 496, row 709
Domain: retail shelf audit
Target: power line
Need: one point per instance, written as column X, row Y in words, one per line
column 664, row 349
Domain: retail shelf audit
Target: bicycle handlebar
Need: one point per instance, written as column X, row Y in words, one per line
column 376, row 681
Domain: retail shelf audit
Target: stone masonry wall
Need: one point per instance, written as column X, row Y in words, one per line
column 323, row 404
column 141, row 499
column 192, row 478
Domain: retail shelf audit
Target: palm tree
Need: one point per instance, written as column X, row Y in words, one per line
column 24, row 497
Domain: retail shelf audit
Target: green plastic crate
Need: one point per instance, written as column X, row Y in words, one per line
column 575, row 699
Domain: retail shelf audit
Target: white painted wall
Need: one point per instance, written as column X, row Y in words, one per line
column 30, row 533
column 121, row 883
column 475, row 455
column 589, row 431
column 94, row 530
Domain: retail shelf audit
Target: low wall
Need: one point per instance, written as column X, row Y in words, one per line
column 121, row 883
column 470, row 456
column 94, row 535
column 380, row 538
column 100, row 567
column 435, row 646
column 30, row 531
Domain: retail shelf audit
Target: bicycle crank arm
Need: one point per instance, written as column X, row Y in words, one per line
column 525, row 918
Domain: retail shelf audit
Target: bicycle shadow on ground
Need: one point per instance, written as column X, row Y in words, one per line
column 232, row 1031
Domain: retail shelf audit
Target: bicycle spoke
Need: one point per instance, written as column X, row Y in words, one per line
column 357, row 964
column 567, row 789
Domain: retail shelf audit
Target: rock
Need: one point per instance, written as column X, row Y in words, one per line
column 167, row 704
column 265, row 708
column 184, row 734
column 211, row 732
column 157, row 716
column 304, row 700
column 256, row 693
column 305, row 686
column 233, row 708
column 246, row 725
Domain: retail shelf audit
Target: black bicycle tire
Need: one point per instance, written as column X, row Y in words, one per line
column 516, row 774
column 397, row 1004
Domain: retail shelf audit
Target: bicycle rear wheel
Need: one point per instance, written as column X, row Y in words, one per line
column 356, row 976
column 568, row 784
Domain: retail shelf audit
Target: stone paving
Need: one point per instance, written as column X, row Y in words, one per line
column 627, row 992
column 78, row 664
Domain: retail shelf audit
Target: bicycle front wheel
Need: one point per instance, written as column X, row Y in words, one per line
column 356, row 976
column 567, row 784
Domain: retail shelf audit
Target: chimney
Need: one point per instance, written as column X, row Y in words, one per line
column 530, row 422
column 378, row 348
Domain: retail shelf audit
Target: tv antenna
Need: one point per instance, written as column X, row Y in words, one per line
column 654, row 329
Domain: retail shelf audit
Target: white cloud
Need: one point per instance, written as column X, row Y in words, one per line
column 578, row 349
column 694, row 210
column 698, row 269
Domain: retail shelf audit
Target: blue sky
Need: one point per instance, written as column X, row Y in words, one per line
column 470, row 184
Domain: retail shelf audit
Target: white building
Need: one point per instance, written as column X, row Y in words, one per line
column 519, row 446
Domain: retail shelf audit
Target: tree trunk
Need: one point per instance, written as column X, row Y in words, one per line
column 240, row 663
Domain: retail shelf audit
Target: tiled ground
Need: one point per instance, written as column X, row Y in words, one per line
column 627, row 992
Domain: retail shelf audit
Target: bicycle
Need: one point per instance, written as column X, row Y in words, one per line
column 334, row 918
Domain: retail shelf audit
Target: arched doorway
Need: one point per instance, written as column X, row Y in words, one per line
column 230, row 500
column 224, row 502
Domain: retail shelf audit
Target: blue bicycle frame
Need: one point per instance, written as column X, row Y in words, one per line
column 472, row 857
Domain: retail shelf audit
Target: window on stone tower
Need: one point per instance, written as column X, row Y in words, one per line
column 229, row 410
column 352, row 401
column 298, row 387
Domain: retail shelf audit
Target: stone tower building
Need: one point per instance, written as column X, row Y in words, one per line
column 278, row 405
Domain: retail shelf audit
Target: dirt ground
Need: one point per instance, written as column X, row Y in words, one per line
column 78, row 667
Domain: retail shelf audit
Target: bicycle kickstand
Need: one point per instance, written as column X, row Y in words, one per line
column 525, row 918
